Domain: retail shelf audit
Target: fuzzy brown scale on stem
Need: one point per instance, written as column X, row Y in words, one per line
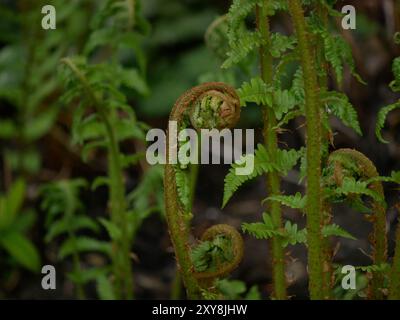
column 352, row 163
column 212, row 105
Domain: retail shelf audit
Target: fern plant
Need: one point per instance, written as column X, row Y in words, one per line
column 29, row 83
column 66, row 218
column 104, row 119
column 281, row 104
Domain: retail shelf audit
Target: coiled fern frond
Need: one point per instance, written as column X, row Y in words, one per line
column 349, row 176
column 211, row 105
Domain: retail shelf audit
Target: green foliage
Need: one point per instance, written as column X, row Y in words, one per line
column 382, row 115
column 336, row 50
column 338, row 104
column 255, row 91
column 395, row 86
column 296, row 201
column 66, row 219
column 267, row 229
column 14, row 224
column 337, row 231
column 183, row 187
column 285, row 161
column 351, row 186
column 290, row 234
column 27, row 78
column 281, row 43
column 262, row 230
column 236, row 289
column 208, row 255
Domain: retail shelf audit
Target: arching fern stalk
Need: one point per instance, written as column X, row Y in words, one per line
column 208, row 106
column 350, row 175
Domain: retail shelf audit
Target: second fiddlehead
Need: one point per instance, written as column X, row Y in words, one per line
column 344, row 166
column 208, row 106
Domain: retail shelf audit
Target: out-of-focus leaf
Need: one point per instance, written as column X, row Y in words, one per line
column 83, row 244
column 21, row 249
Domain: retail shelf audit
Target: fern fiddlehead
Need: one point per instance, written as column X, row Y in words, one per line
column 211, row 105
column 348, row 163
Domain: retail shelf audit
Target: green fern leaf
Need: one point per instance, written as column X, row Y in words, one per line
column 296, row 201
column 281, row 43
column 242, row 47
column 262, row 230
column 338, row 104
column 292, row 235
column 256, row 91
column 335, row 230
column 380, row 123
column 262, row 164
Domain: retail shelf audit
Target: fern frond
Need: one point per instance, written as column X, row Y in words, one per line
column 380, row 123
column 296, row 201
column 337, row 231
column 292, row 235
column 350, row 186
column 262, row 164
column 285, row 161
column 281, row 43
column 262, row 230
column 256, row 91
column 395, row 84
column 242, row 47
column 284, row 101
column 339, row 105
column 237, row 13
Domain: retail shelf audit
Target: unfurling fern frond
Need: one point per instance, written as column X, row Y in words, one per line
column 213, row 105
column 352, row 175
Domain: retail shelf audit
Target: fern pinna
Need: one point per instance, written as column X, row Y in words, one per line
column 208, row 106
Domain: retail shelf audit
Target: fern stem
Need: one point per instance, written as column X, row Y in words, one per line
column 123, row 284
column 327, row 253
column 271, row 141
column 394, row 285
column 313, row 131
column 69, row 213
column 177, row 218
